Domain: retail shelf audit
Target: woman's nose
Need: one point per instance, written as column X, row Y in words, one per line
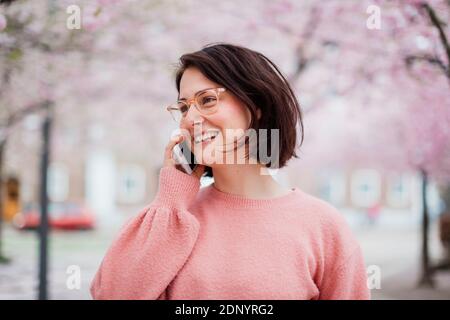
column 193, row 116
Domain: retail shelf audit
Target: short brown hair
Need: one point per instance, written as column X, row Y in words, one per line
column 258, row 83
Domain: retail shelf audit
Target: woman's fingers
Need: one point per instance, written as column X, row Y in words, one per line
column 168, row 153
column 169, row 161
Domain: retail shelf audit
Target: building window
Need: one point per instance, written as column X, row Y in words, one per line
column 399, row 190
column 332, row 188
column 132, row 184
column 365, row 188
column 58, row 182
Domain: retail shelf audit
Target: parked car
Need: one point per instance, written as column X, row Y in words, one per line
column 61, row 215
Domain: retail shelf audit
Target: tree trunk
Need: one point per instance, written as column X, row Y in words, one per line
column 3, row 259
column 43, row 225
column 426, row 279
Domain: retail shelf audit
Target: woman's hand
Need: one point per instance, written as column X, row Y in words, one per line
column 169, row 161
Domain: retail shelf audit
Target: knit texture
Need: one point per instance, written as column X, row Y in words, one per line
column 202, row 243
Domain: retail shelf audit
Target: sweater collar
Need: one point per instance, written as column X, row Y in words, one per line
column 233, row 201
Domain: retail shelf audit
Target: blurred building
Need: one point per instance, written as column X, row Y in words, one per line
column 359, row 191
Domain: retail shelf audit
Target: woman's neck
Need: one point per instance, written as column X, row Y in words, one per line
column 247, row 180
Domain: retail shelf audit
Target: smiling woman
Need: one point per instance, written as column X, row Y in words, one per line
column 245, row 236
column 257, row 96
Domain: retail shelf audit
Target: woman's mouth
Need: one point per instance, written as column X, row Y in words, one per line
column 206, row 137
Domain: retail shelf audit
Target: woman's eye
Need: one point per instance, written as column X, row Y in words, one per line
column 183, row 108
column 208, row 101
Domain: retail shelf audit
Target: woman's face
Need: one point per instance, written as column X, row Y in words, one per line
column 231, row 114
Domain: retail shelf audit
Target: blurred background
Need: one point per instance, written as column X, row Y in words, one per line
column 83, row 125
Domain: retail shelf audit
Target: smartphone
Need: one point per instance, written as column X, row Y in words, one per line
column 184, row 157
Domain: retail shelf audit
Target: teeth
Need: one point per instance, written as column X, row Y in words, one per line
column 207, row 136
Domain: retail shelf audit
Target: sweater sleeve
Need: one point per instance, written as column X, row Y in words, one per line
column 348, row 281
column 341, row 272
column 153, row 246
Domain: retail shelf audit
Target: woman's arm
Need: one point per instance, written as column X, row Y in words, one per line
column 340, row 270
column 153, row 246
column 347, row 281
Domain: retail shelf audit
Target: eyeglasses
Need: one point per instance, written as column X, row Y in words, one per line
column 205, row 101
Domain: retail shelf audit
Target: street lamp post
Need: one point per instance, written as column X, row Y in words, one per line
column 45, row 155
column 43, row 225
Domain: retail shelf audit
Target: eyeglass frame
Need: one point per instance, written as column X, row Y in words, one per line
column 189, row 102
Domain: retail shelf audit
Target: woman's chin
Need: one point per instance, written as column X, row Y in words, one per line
column 206, row 160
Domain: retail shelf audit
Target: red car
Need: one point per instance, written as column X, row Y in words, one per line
column 66, row 215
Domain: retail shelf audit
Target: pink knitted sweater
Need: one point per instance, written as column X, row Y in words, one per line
column 201, row 243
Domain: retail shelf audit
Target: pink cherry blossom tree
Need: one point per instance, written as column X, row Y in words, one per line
column 391, row 82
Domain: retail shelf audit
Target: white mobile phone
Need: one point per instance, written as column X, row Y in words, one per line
column 184, row 157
